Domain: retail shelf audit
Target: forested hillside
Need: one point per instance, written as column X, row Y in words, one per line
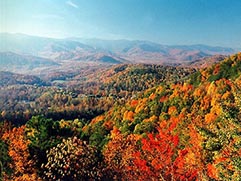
column 79, row 95
column 152, row 123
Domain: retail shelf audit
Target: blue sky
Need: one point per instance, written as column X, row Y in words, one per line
column 212, row 22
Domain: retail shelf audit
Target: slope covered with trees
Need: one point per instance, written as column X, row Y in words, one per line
column 85, row 95
column 183, row 130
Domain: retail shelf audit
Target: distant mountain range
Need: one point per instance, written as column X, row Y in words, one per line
column 14, row 62
column 149, row 52
column 18, row 50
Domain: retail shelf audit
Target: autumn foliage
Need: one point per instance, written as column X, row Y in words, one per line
column 188, row 130
column 22, row 165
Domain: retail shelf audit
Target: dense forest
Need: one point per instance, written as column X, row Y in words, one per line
column 127, row 122
column 84, row 95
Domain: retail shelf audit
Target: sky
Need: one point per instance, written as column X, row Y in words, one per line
column 170, row 22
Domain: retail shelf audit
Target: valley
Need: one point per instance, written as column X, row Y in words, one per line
column 120, row 90
column 81, row 109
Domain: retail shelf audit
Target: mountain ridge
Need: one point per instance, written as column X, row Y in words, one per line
column 135, row 51
column 15, row 62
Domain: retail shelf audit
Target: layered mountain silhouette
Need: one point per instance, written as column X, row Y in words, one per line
column 32, row 51
column 10, row 61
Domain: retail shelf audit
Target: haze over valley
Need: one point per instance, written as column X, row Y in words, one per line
column 31, row 54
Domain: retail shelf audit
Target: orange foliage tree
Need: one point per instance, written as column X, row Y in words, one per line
column 22, row 165
column 118, row 156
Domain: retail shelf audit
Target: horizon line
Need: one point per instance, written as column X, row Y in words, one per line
column 122, row 39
